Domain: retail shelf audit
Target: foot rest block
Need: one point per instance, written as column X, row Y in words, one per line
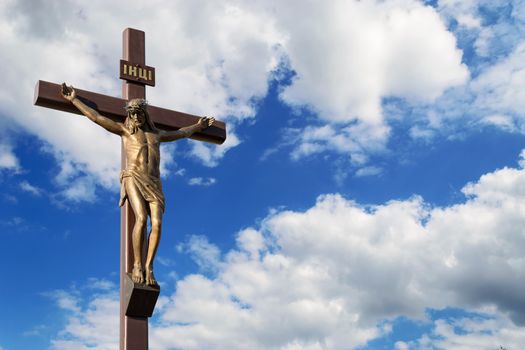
column 139, row 298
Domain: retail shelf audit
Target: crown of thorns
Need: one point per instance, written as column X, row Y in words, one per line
column 136, row 103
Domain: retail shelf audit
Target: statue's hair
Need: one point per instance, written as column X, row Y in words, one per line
column 139, row 103
column 136, row 103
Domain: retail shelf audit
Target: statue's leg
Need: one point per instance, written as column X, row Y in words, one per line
column 153, row 241
column 138, row 204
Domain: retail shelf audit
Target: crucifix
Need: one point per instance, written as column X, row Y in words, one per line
column 142, row 127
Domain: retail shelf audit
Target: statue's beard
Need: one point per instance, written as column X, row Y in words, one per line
column 134, row 124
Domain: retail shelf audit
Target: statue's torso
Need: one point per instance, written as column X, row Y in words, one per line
column 143, row 152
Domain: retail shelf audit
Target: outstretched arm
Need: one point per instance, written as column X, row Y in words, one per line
column 187, row 131
column 70, row 94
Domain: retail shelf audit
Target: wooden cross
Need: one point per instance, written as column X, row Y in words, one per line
column 136, row 75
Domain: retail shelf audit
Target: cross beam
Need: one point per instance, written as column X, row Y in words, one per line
column 48, row 95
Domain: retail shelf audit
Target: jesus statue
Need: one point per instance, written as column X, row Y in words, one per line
column 140, row 182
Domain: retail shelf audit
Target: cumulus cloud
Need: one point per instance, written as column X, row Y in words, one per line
column 101, row 284
column 400, row 345
column 354, row 55
column 320, row 274
column 494, row 97
column 318, row 278
column 368, row 171
column 360, row 52
column 8, row 159
column 96, row 324
column 471, row 334
column 493, row 27
column 65, row 300
column 492, row 33
column 500, row 87
column 201, row 181
column 210, row 155
column 80, row 190
column 27, row 187
column 167, row 161
column 356, row 140
column 206, row 255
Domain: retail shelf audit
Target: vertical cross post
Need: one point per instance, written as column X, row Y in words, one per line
column 133, row 330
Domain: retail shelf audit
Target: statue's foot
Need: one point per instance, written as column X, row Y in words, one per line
column 150, row 278
column 137, row 275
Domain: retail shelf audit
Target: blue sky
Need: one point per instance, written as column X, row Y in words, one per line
column 370, row 194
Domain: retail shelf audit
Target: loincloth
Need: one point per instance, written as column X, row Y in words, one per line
column 150, row 188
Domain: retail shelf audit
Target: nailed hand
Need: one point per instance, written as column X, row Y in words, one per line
column 68, row 92
column 205, row 122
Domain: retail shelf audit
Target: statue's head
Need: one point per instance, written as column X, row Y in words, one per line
column 138, row 116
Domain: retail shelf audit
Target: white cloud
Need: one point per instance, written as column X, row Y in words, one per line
column 91, row 323
column 357, row 53
column 356, row 140
column 400, row 345
column 8, row 160
column 78, row 190
column 366, row 51
column 368, row 171
column 499, row 87
column 96, row 324
column 332, row 264
column 465, row 11
column 316, row 279
column 65, row 300
column 200, row 181
column 15, row 221
column 206, row 255
column 504, row 122
column 494, row 97
column 493, row 30
column 180, row 172
column 472, row 334
column 210, row 155
column 165, row 261
column 27, row 187
column 100, row 284
column 494, row 26
column 166, row 159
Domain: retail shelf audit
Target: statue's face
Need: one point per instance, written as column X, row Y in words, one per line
column 137, row 115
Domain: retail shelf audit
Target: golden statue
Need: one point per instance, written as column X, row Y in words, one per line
column 140, row 181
